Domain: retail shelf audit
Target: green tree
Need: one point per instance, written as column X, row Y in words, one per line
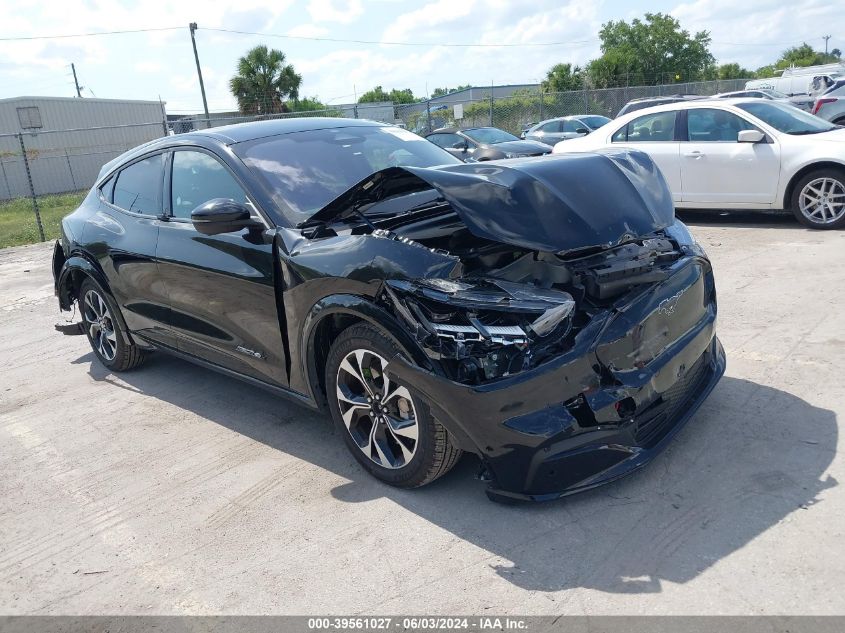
column 836, row 53
column 650, row 51
column 264, row 81
column 803, row 55
column 308, row 104
column 733, row 71
column 440, row 92
column 396, row 96
column 563, row 78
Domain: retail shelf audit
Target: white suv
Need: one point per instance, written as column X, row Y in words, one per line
column 737, row 154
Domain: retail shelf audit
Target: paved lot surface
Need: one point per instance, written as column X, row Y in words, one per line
column 175, row 490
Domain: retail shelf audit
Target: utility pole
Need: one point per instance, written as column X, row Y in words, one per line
column 193, row 27
column 825, row 38
column 75, row 80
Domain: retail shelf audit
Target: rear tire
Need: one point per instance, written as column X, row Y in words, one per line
column 818, row 199
column 104, row 330
column 386, row 426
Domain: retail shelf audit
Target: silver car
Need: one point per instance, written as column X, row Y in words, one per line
column 553, row 131
column 831, row 106
column 805, row 102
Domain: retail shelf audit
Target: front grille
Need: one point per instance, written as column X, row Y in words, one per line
column 658, row 419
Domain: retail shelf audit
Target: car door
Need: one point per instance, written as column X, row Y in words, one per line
column 123, row 236
column 455, row 144
column 548, row 133
column 655, row 135
column 221, row 287
column 718, row 170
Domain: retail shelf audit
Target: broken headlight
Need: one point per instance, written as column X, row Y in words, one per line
column 489, row 325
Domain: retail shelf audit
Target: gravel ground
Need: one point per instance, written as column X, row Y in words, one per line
column 173, row 489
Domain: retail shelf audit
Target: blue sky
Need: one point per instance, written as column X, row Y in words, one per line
column 160, row 64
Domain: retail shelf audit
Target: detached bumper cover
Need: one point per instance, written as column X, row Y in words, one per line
column 598, row 412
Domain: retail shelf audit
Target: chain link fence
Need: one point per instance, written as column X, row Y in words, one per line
column 520, row 110
column 46, row 173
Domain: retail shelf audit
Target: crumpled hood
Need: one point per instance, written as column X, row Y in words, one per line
column 551, row 203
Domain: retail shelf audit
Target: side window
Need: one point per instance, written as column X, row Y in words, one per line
column 138, row 187
column 551, row 126
column 651, row 127
column 572, row 126
column 710, row 125
column 445, row 141
column 108, row 189
column 198, row 178
column 437, row 139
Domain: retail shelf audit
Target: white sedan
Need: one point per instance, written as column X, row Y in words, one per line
column 737, row 154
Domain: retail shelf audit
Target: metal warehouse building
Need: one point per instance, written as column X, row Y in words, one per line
column 67, row 139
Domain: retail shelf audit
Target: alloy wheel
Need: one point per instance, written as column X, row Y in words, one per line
column 379, row 415
column 822, row 201
column 100, row 325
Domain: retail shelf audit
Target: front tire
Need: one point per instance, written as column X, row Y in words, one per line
column 103, row 329
column 387, row 427
column 818, row 200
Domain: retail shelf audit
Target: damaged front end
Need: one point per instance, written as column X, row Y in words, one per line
column 573, row 331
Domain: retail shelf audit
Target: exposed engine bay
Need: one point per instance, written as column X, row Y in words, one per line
column 535, row 256
column 510, row 309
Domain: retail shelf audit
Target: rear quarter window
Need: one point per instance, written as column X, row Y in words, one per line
column 138, row 186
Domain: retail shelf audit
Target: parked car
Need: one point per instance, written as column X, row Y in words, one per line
column 525, row 129
column 650, row 102
column 485, row 143
column 738, row 153
column 357, row 269
column 553, row 131
column 801, row 80
column 804, row 102
column 831, row 106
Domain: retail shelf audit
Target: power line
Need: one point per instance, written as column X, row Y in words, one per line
column 378, row 42
column 56, row 37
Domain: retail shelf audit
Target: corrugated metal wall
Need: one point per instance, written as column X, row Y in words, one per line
column 76, row 137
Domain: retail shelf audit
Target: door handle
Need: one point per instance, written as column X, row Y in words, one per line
column 694, row 154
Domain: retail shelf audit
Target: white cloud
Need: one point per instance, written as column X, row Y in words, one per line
column 756, row 34
column 308, row 30
column 342, row 11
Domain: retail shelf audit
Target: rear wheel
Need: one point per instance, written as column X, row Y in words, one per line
column 818, row 200
column 387, row 427
column 103, row 329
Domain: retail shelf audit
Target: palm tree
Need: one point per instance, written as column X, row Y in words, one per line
column 264, row 81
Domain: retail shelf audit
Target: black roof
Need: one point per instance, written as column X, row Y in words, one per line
column 240, row 132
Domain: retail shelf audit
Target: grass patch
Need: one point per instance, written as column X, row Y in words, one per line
column 17, row 219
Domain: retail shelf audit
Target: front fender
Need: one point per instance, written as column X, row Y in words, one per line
column 69, row 279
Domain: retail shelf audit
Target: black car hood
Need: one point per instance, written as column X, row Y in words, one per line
column 518, row 147
column 552, row 203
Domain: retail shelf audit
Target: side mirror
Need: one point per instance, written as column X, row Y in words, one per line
column 220, row 215
column 582, row 130
column 750, row 136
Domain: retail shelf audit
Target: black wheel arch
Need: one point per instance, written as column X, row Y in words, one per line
column 333, row 314
column 790, row 188
column 74, row 271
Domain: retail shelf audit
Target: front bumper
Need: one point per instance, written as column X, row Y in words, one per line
column 598, row 412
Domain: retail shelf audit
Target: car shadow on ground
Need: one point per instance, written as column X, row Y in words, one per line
column 740, row 218
column 750, row 457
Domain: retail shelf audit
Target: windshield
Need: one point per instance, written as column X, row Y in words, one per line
column 306, row 170
column 595, row 121
column 787, row 118
column 489, row 135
